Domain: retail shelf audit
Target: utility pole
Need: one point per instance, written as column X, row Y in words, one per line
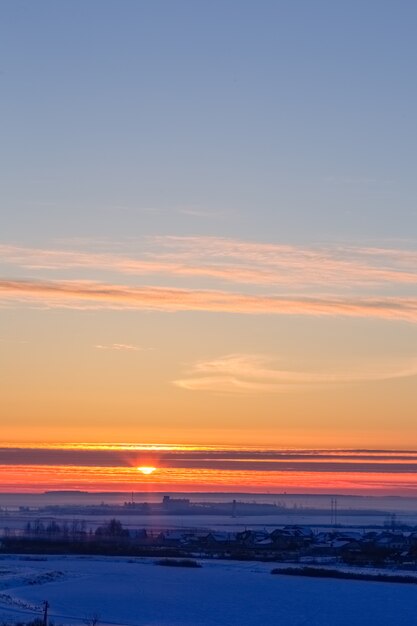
column 45, row 613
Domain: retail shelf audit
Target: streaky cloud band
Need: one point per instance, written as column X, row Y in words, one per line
column 242, row 460
column 232, row 261
column 95, row 295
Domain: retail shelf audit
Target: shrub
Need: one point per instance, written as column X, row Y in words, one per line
column 178, row 563
column 318, row 572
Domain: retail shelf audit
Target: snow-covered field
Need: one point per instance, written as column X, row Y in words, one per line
column 136, row 592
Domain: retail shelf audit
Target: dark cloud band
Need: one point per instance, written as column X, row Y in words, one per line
column 228, row 460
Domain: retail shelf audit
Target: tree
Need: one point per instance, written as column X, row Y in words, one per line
column 113, row 528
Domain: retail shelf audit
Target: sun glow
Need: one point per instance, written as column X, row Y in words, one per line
column 146, row 469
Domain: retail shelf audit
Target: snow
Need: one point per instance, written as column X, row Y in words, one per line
column 136, row 592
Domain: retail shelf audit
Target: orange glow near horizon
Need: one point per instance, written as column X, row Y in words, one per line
column 127, row 467
column 22, row 478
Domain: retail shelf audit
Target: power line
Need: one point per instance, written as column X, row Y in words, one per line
column 39, row 611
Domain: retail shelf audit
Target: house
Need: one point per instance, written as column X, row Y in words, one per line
column 170, row 538
column 250, row 538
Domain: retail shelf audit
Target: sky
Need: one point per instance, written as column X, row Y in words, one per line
column 207, row 234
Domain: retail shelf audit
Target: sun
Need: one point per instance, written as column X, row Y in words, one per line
column 146, row 469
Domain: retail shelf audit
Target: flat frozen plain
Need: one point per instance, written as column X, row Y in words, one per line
column 136, row 592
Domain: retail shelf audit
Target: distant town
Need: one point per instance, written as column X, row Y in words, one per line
column 70, row 529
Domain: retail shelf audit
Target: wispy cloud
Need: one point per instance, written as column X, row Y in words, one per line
column 204, row 213
column 95, row 295
column 124, row 347
column 67, row 260
column 319, row 264
column 234, row 261
column 248, row 373
column 335, row 276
